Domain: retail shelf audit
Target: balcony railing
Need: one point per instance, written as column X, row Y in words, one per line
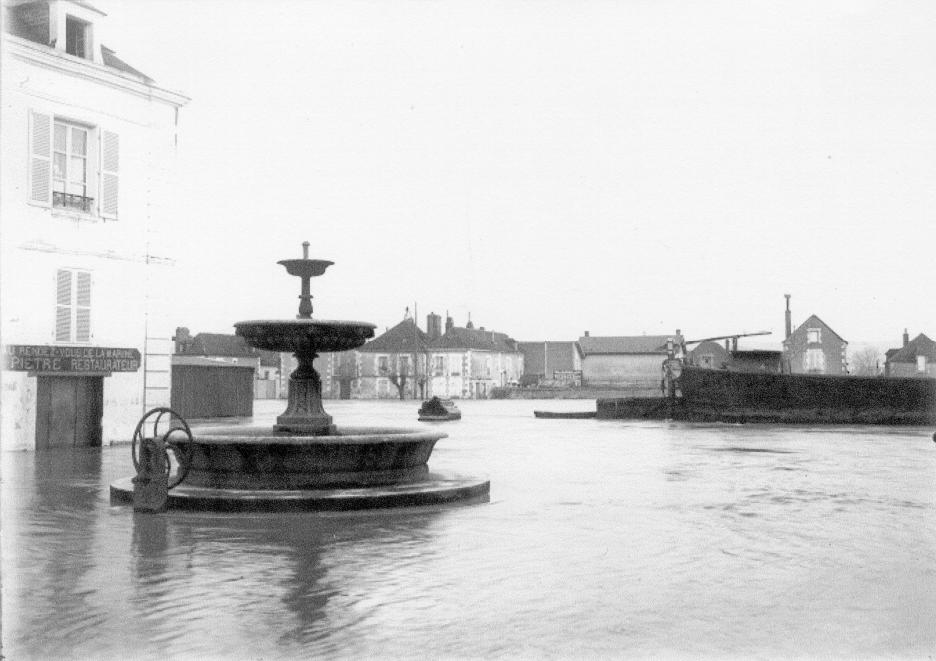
column 71, row 201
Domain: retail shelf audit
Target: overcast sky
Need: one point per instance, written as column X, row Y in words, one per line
column 553, row 167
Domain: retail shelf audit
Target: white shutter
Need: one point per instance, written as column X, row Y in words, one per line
column 40, row 158
column 110, row 165
column 63, row 309
column 82, row 306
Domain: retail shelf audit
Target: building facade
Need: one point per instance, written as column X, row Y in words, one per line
column 814, row 348
column 89, row 147
column 633, row 361
column 406, row 362
column 547, row 362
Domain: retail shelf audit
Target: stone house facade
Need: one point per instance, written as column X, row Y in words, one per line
column 459, row 363
column 89, row 149
column 814, row 348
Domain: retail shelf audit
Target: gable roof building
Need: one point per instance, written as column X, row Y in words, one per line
column 405, row 337
column 814, row 348
column 916, row 358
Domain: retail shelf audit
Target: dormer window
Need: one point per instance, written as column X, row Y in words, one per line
column 77, row 37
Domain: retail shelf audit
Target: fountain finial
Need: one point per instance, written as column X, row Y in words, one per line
column 306, row 269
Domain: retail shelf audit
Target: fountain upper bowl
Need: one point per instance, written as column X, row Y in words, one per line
column 307, row 268
column 305, row 335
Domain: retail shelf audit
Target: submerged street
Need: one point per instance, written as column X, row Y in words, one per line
column 602, row 539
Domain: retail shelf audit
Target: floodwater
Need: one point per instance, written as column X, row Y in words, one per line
column 602, row 539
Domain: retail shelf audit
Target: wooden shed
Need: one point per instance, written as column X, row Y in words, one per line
column 205, row 388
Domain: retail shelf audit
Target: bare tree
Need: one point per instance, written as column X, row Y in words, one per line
column 866, row 362
column 399, row 373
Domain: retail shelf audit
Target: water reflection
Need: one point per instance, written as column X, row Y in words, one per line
column 604, row 539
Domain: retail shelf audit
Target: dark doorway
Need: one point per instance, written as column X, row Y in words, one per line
column 68, row 411
column 344, row 388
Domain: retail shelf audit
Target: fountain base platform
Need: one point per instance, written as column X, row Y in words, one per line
column 434, row 488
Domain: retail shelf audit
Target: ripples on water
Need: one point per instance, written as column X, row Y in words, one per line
column 603, row 539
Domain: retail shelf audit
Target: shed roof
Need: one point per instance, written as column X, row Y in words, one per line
column 220, row 344
column 628, row 344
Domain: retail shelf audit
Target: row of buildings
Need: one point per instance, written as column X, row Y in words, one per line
column 408, row 362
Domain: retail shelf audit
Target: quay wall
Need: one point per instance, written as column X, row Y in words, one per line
column 778, row 392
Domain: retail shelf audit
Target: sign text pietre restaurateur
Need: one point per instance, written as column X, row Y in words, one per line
column 75, row 360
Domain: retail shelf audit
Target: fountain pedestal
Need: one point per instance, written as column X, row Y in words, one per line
column 304, row 413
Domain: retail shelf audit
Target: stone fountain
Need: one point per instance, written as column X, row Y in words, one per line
column 305, row 461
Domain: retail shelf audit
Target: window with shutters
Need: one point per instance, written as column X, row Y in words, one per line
column 73, row 306
column 73, row 167
column 70, row 167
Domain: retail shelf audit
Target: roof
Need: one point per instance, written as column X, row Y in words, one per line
column 111, row 60
column 630, row 344
column 405, row 337
column 918, row 346
column 220, row 344
column 475, row 339
column 757, row 354
column 30, row 20
column 810, row 321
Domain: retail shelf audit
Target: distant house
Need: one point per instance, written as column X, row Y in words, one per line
column 814, row 348
column 468, row 362
column 709, row 354
column 392, row 365
column 916, row 358
column 559, row 362
column 407, row 362
column 624, row 361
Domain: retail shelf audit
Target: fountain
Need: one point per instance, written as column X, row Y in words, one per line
column 304, row 461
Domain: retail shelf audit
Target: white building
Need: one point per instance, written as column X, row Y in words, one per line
column 89, row 145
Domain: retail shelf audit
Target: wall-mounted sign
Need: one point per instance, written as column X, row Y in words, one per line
column 74, row 360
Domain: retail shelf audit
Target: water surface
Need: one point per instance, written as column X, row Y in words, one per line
column 603, row 539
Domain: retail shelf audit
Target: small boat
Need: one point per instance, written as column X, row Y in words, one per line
column 436, row 409
column 567, row 415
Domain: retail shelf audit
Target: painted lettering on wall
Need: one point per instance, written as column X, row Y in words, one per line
column 76, row 360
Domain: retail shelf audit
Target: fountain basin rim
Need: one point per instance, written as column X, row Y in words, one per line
column 328, row 323
column 345, row 436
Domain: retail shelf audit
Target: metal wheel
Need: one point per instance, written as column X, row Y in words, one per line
column 177, row 442
column 179, row 447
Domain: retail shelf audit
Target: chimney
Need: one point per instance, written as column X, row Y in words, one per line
column 183, row 339
column 586, row 333
column 789, row 323
column 906, row 338
column 449, row 324
column 433, row 325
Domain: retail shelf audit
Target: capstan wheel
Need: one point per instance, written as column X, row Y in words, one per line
column 177, row 443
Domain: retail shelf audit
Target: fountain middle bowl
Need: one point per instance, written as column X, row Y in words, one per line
column 304, row 335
